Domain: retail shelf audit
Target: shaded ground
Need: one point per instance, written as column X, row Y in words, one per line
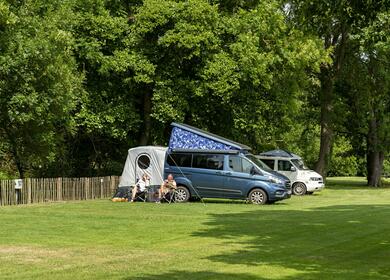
column 341, row 233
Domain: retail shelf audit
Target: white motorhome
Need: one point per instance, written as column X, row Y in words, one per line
column 303, row 180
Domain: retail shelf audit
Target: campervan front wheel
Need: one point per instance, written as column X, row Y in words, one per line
column 182, row 194
column 299, row 188
column 257, row 196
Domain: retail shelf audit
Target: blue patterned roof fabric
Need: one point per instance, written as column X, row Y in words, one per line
column 184, row 136
column 184, row 139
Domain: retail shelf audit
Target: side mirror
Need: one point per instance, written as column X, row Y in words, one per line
column 253, row 170
column 293, row 169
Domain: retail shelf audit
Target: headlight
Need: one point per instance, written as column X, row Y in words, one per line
column 275, row 180
column 315, row 179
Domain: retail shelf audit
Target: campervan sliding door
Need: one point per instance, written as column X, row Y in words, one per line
column 207, row 176
column 238, row 178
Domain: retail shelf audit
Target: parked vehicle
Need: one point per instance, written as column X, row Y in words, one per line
column 205, row 165
column 303, row 180
column 224, row 174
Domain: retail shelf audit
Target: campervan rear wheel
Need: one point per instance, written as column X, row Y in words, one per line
column 299, row 188
column 182, row 194
column 257, row 196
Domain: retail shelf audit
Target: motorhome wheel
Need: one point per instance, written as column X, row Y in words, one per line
column 299, row 188
column 257, row 196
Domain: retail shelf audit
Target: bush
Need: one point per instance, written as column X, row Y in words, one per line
column 343, row 161
column 386, row 168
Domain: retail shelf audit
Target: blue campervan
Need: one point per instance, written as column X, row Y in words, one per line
column 205, row 165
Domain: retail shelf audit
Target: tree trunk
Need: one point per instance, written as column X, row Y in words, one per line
column 375, row 157
column 147, row 120
column 326, row 122
column 14, row 150
column 374, row 168
column 18, row 161
column 329, row 73
column 20, row 168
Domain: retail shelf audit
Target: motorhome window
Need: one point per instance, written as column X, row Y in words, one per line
column 284, row 165
column 182, row 160
column 208, row 161
column 269, row 162
column 299, row 164
column 235, row 163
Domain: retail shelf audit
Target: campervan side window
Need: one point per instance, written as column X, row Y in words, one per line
column 269, row 162
column 238, row 164
column 235, row 163
column 284, row 165
column 182, row 160
column 246, row 166
column 208, row 161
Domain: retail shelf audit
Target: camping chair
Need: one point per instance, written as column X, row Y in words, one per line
column 169, row 196
column 141, row 195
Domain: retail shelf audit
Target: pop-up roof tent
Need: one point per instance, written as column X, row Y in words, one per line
column 279, row 153
column 150, row 159
column 187, row 137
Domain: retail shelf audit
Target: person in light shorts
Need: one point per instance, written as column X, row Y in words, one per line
column 140, row 186
column 167, row 186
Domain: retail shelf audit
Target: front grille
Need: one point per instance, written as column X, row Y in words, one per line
column 288, row 185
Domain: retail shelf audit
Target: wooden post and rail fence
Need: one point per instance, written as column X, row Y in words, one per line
column 40, row 190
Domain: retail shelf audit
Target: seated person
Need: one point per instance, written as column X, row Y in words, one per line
column 140, row 186
column 167, row 186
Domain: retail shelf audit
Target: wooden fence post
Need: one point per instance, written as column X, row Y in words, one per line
column 101, row 187
column 86, row 184
column 112, row 185
column 2, row 194
column 28, row 186
column 73, row 189
column 59, row 189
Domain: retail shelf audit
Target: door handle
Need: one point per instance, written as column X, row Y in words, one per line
column 220, row 173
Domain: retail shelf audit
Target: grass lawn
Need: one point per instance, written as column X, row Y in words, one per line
column 340, row 233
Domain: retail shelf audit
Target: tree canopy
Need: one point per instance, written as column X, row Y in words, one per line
column 83, row 81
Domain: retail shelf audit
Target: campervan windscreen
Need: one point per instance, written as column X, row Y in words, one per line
column 258, row 162
column 299, row 164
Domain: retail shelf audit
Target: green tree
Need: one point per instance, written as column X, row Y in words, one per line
column 108, row 119
column 335, row 22
column 39, row 84
column 367, row 83
column 237, row 74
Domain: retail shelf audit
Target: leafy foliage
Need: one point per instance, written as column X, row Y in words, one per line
column 82, row 81
column 39, row 86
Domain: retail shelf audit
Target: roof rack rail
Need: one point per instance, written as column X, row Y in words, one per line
column 200, row 151
column 277, row 153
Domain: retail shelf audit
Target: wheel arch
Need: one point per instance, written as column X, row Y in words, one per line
column 184, row 182
column 296, row 182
